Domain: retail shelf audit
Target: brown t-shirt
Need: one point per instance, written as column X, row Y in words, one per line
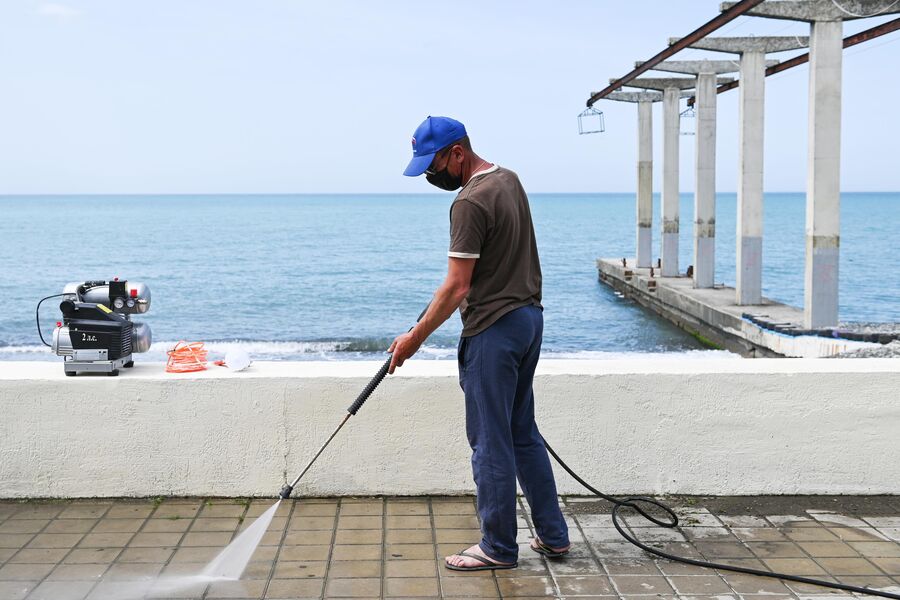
column 490, row 220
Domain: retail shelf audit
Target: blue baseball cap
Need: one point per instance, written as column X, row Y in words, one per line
column 434, row 134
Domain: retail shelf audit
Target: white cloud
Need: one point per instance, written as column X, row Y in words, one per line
column 54, row 10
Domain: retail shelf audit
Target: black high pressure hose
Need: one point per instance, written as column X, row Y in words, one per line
column 632, row 503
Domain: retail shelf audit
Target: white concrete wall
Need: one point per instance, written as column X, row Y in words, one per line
column 697, row 426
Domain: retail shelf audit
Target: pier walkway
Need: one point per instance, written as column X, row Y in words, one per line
column 392, row 547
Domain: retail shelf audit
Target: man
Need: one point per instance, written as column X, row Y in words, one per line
column 494, row 276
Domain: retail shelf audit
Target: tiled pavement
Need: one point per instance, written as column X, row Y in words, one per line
column 393, row 547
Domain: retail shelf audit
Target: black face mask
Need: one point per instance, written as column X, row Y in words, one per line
column 443, row 179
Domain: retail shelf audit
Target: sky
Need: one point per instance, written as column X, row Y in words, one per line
column 293, row 96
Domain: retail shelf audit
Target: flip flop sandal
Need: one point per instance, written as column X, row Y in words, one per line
column 547, row 551
column 487, row 564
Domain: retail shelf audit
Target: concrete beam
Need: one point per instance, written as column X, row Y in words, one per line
column 819, row 10
column 635, row 96
column 663, row 83
column 696, row 67
column 739, row 45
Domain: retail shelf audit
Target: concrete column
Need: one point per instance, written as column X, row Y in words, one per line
column 670, row 199
column 705, row 187
column 823, row 195
column 645, row 184
column 644, row 199
column 750, row 179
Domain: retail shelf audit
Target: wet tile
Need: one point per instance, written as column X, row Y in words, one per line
column 631, row 567
column 223, row 509
column 309, row 538
column 182, row 511
column 891, row 566
column 827, row 549
column 775, row 549
column 56, row 540
column 14, row 540
column 743, row 521
column 285, row 569
column 849, row 534
column 105, row 540
column 39, row 555
column 481, row 587
column 71, row 526
column 809, row 534
column 7, row 553
column 306, row 509
column 848, row 566
column 629, row 584
column 361, row 509
column 118, row 525
column 23, row 525
column 455, row 522
column 453, row 508
column 61, row 590
column 85, row 511
column 207, row 538
column 617, row 550
column 116, row 590
column 717, row 550
column 408, row 522
column 585, row 586
column 166, row 525
column 807, row 589
column 830, row 518
column 420, row 536
column 575, row 566
column 24, row 571
column 358, row 536
column 199, row 554
column 407, row 508
column 129, row 510
column 709, row 534
column 359, row 522
column 872, row 581
column 411, row 587
column 409, row 551
column 527, row 567
column 699, row 585
column 761, row 534
column 743, row 583
column 36, row 510
column 879, row 549
column 236, row 589
column 342, row 569
column 669, row 567
column 526, row 586
column 155, row 539
column 794, row 566
column 217, row 524
column 411, row 568
column 350, row 588
column 294, row 588
column 133, row 572
column 304, row 553
column 16, row 590
column 357, row 552
column 85, row 572
column 451, row 536
column 146, row 555
column 92, row 555
column 311, row 523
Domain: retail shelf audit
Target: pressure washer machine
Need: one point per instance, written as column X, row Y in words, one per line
column 96, row 333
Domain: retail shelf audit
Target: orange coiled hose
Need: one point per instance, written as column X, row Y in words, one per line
column 186, row 357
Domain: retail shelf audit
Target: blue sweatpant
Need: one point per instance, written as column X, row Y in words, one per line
column 496, row 368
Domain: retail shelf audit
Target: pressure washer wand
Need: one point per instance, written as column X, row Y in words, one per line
column 351, row 410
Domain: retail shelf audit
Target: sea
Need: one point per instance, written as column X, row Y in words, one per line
column 337, row 277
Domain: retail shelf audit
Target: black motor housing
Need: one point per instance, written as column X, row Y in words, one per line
column 95, row 327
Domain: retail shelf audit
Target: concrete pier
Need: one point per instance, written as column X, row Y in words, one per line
column 824, row 132
column 644, row 208
column 671, row 88
column 753, row 64
column 706, row 72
